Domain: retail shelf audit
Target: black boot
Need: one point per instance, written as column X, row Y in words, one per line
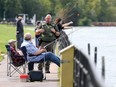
column 40, row 66
column 47, row 67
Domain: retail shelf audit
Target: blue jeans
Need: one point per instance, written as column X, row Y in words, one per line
column 19, row 40
column 36, row 41
column 49, row 56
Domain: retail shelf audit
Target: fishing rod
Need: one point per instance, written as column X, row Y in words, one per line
column 50, row 43
column 62, row 36
column 69, row 10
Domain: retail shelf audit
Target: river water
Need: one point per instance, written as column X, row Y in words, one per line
column 104, row 38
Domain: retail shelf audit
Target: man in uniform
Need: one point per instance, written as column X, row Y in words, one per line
column 48, row 32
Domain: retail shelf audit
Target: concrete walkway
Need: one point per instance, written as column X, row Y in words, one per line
column 14, row 81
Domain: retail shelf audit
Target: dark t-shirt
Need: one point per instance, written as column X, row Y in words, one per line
column 60, row 27
column 20, row 27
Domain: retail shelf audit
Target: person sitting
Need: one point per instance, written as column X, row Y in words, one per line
column 40, row 54
column 17, row 58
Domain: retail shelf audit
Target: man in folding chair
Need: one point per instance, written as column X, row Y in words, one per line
column 16, row 60
column 39, row 54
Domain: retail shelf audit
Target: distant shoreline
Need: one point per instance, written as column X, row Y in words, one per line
column 104, row 23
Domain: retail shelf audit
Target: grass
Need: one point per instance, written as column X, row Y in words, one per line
column 1, row 58
column 8, row 32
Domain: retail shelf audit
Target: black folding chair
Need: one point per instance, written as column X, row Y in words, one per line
column 30, row 64
column 11, row 67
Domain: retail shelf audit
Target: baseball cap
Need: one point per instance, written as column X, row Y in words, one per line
column 11, row 41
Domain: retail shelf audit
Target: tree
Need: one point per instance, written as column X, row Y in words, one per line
column 82, row 12
column 102, row 16
column 1, row 9
column 88, row 9
column 11, row 9
column 68, row 10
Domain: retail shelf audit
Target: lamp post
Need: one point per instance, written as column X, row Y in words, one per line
column 4, row 18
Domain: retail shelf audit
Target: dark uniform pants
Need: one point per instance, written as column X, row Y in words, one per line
column 48, row 48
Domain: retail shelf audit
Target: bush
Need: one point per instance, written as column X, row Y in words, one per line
column 85, row 22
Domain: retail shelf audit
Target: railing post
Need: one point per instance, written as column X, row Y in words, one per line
column 95, row 55
column 67, row 55
column 89, row 48
column 103, row 67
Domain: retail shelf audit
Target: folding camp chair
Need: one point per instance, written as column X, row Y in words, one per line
column 11, row 67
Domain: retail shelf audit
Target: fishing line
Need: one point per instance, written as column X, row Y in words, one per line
column 63, row 36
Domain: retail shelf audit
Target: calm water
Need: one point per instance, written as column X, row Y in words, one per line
column 104, row 38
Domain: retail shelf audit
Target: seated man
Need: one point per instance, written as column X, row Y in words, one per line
column 39, row 54
column 17, row 58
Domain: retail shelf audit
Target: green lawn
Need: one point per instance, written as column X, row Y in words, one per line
column 9, row 32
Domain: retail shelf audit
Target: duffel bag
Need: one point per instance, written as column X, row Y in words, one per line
column 35, row 76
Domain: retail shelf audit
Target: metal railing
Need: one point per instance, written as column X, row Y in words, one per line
column 85, row 74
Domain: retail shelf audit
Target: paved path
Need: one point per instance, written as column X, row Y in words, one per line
column 14, row 81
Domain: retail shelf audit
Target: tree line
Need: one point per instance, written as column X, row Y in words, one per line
column 82, row 12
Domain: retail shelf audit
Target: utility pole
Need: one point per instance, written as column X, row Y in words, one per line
column 4, row 18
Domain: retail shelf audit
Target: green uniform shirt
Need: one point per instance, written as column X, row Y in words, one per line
column 48, row 35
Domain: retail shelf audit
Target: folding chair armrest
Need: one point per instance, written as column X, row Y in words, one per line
column 20, row 56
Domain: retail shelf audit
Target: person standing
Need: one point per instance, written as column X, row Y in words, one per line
column 48, row 32
column 61, row 26
column 37, row 35
column 59, row 23
column 19, row 32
